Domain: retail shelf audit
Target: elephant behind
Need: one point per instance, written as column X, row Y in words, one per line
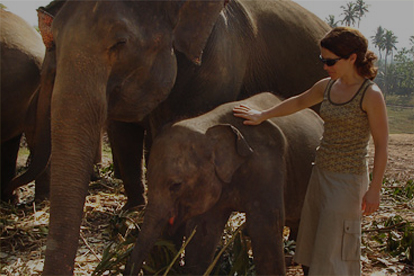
column 202, row 169
column 22, row 52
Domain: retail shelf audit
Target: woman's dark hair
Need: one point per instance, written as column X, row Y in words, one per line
column 344, row 41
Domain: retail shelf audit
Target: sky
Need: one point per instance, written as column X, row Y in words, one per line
column 394, row 15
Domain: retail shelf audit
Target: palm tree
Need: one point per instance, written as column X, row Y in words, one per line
column 349, row 13
column 379, row 40
column 331, row 21
column 361, row 7
column 389, row 43
column 389, row 46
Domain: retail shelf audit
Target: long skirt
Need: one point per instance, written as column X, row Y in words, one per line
column 329, row 236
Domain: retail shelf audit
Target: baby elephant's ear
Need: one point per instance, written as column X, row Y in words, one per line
column 230, row 150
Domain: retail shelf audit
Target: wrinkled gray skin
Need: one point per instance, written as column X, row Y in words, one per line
column 202, row 169
column 22, row 52
column 137, row 65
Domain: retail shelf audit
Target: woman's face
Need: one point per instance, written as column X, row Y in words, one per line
column 335, row 66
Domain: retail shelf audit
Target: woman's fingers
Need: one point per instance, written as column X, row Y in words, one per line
column 241, row 108
column 251, row 116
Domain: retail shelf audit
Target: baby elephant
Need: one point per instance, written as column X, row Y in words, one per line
column 202, row 169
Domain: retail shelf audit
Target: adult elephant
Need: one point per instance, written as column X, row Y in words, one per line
column 143, row 63
column 202, row 169
column 22, row 52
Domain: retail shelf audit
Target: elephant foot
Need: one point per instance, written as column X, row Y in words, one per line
column 305, row 270
column 40, row 197
column 42, row 186
column 289, row 260
column 135, row 203
column 95, row 174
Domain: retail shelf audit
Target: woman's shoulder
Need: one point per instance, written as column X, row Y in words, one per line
column 373, row 91
column 373, row 96
column 322, row 84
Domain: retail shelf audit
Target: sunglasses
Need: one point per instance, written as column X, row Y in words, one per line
column 329, row 61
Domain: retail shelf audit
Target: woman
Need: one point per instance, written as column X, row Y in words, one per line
column 352, row 107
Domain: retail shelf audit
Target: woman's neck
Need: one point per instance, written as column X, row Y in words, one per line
column 351, row 79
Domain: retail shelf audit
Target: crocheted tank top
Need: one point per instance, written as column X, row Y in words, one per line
column 344, row 145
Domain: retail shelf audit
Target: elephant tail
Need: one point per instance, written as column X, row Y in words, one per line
column 28, row 176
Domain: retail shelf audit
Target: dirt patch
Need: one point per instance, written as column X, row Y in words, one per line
column 400, row 157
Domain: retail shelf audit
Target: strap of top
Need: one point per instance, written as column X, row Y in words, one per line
column 328, row 88
column 363, row 90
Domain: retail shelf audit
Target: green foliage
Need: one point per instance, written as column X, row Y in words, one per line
column 234, row 257
column 361, row 8
column 395, row 234
column 401, row 74
column 395, row 77
column 290, row 246
column 353, row 11
column 350, row 14
column 331, row 21
column 114, row 257
column 401, row 193
column 109, row 170
column 123, row 233
column 396, row 237
column 405, row 192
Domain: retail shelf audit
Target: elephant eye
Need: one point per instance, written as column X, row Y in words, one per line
column 118, row 44
column 175, row 187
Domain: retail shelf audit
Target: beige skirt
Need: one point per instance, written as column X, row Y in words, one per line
column 329, row 236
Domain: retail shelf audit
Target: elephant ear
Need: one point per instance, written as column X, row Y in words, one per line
column 230, row 150
column 45, row 17
column 45, row 20
column 196, row 20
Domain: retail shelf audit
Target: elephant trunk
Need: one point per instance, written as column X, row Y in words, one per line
column 155, row 221
column 42, row 146
column 78, row 114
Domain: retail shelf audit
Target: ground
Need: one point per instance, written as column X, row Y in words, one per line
column 400, row 156
column 23, row 228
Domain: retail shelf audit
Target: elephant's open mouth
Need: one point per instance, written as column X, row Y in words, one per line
column 177, row 218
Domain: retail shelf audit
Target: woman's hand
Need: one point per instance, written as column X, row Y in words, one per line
column 370, row 202
column 252, row 116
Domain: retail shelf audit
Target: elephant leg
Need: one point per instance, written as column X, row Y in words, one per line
column 305, row 270
column 265, row 228
column 95, row 175
column 127, row 148
column 200, row 251
column 117, row 171
column 9, row 151
column 42, row 181
column 42, row 187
